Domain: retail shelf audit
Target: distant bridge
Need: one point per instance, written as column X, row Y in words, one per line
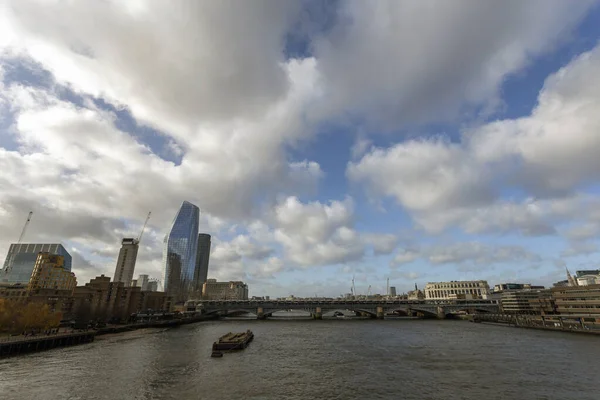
column 373, row 308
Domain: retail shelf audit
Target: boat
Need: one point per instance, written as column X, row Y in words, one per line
column 216, row 353
column 233, row 341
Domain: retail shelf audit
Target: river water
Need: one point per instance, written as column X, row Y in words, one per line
column 329, row 359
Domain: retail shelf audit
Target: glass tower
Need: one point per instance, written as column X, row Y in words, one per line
column 202, row 258
column 21, row 258
column 179, row 253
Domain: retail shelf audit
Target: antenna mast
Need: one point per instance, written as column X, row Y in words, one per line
column 25, row 227
column 387, row 287
column 144, row 227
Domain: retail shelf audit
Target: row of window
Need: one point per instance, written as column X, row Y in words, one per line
column 455, row 285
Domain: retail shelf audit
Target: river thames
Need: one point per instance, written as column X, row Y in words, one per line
column 329, row 359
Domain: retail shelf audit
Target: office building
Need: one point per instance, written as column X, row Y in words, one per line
column 49, row 273
column 526, row 301
column 105, row 300
column 202, row 258
column 588, row 277
column 179, row 253
column 21, row 259
column 126, row 261
column 577, row 300
column 152, row 286
column 564, row 283
column 454, row 290
column 392, row 291
column 515, row 286
column 232, row 290
column 142, row 281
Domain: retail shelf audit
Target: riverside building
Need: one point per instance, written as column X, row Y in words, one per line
column 22, row 257
column 232, row 290
column 49, row 273
column 454, row 290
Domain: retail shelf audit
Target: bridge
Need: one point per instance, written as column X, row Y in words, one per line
column 317, row 308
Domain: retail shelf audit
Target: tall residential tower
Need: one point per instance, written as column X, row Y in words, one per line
column 126, row 261
column 179, row 253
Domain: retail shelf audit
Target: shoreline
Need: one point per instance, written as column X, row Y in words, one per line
column 541, row 328
column 16, row 346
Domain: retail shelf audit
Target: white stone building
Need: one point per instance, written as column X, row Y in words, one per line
column 454, row 290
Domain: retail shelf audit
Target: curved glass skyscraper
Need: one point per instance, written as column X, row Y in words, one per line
column 179, row 253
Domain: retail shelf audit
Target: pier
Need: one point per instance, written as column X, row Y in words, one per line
column 16, row 345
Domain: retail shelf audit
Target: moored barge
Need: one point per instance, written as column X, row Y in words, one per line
column 233, row 341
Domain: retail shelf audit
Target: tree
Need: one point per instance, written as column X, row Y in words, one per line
column 16, row 317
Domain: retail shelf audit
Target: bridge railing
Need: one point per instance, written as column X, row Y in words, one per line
column 464, row 303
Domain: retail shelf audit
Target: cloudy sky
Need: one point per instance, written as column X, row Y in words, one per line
column 420, row 141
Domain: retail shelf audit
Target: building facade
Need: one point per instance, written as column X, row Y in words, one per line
column 393, row 291
column 103, row 300
column 152, row 286
column 142, row 281
column 126, row 261
column 21, row 258
column 501, row 287
column 456, row 290
column 577, row 300
column 526, row 301
column 179, row 253
column 49, row 273
column 232, row 290
column 202, row 259
column 587, row 277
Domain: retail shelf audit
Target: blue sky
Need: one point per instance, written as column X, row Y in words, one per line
column 321, row 140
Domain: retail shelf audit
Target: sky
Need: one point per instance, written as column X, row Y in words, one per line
column 322, row 140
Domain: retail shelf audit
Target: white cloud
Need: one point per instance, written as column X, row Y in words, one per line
column 423, row 175
column 213, row 80
column 549, row 155
column 472, row 253
column 402, row 62
column 315, row 233
column 382, row 243
column 579, row 248
column 405, row 256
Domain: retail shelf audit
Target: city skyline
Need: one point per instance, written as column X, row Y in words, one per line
column 321, row 142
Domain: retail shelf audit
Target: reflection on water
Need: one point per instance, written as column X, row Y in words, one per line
column 329, row 359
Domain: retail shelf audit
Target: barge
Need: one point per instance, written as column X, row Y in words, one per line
column 232, row 341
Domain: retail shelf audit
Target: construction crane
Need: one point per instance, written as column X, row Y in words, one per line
column 25, row 227
column 139, row 239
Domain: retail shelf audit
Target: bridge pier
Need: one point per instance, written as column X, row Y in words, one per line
column 260, row 313
column 380, row 314
column 318, row 314
column 440, row 313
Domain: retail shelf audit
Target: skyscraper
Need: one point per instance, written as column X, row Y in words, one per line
column 179, row 253
column 202, row 258
column 21, row 258
column 142, row 282
column 126, row 261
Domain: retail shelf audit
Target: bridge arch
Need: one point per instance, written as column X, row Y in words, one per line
column 270, row 312
column 405, row 310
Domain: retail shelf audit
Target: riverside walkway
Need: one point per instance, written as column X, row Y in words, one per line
column 14, row 345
